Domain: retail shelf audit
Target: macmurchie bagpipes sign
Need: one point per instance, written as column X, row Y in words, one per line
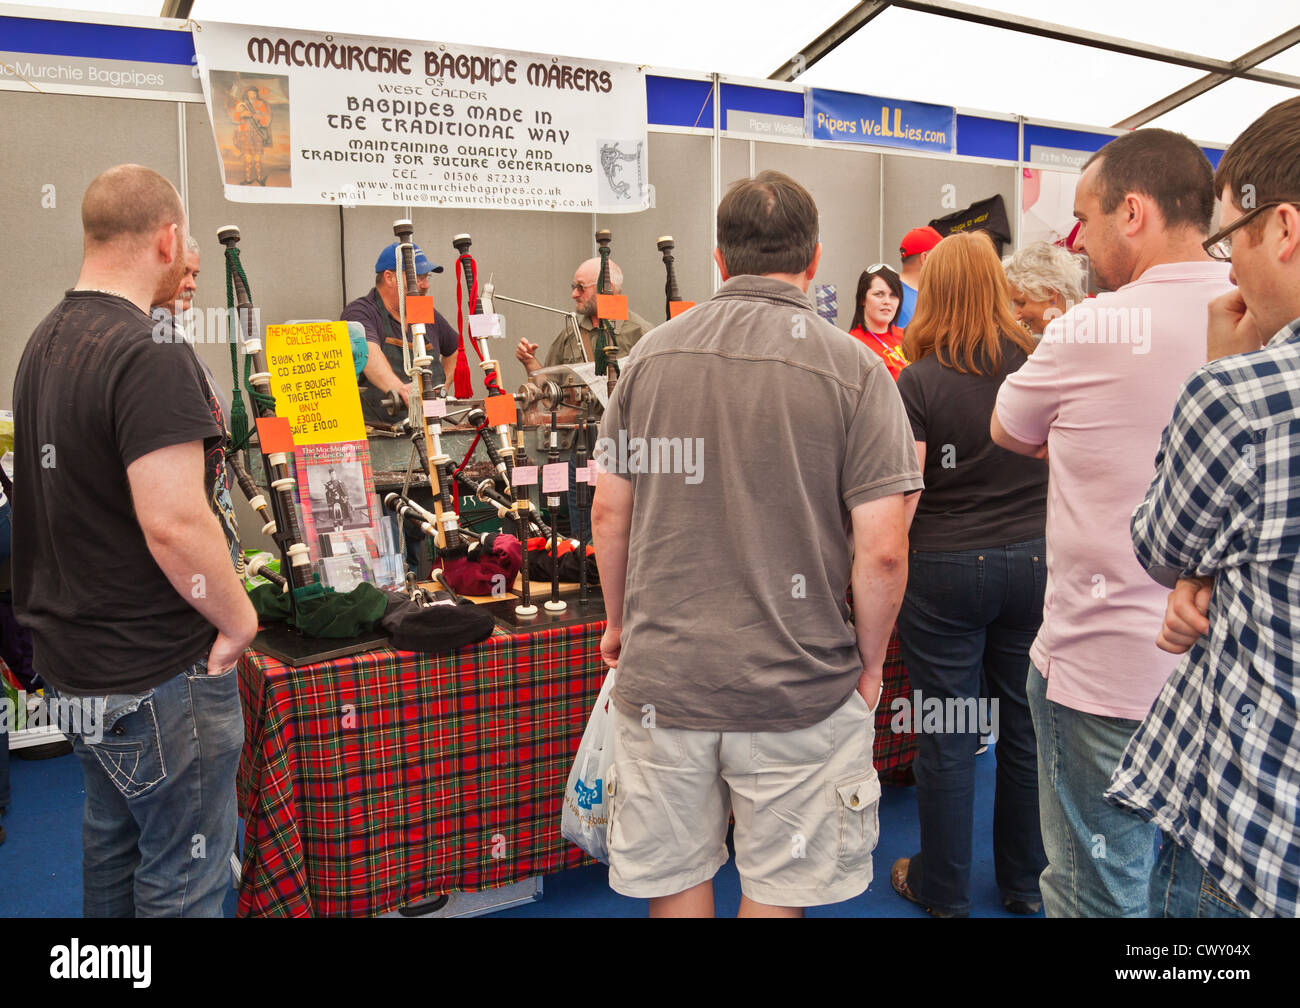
column 304, row 117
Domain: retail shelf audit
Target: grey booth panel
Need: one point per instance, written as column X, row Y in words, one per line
column 681, row 172
column 735, row 161
column 915, row 193
column 846, row 187
column 54, row 146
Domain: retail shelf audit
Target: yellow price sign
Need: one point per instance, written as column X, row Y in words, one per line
column 314, row 381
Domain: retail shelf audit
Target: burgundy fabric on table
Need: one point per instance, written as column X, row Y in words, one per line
column 499, row 555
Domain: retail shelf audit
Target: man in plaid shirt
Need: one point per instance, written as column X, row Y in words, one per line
column 1216, row 764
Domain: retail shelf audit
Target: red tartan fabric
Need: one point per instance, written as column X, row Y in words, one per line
column 373, row 781
column 893, row 752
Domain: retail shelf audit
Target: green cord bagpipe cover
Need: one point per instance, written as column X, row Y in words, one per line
column 323, row 612
column 240, row 430
column 238, row 416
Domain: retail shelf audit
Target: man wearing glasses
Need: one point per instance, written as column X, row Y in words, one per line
column 1093, row 399
column 1216, row 764
column 566, row 349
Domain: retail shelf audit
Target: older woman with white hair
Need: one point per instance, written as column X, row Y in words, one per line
column 1046, row 282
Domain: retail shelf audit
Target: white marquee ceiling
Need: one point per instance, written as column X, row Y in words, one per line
column 900, row 52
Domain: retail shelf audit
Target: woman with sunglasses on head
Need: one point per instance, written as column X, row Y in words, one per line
column 977, row 567
column 879, row 298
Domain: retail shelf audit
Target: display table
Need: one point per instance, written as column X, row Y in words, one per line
column 370, row 782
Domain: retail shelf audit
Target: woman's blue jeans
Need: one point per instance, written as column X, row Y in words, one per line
column 965, row 612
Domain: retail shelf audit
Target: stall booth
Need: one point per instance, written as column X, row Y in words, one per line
column 376, row 776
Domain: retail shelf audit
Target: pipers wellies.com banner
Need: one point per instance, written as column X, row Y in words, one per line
column 307, row 117
column 881, row 122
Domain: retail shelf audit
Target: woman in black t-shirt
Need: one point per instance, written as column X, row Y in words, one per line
column 977, row 569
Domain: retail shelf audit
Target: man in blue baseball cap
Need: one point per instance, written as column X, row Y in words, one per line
column 377, row 312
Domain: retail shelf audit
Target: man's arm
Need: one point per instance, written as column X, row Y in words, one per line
column 1199, row 513
column 377, row 372
column 913, row 499
column 380, row 374
column 1029, row 399
column 449, row 371
column 1002, row 439
column 611, row 527
column 879, row 579
column 185, row 539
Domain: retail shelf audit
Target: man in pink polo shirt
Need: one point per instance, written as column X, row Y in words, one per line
column 1094, row 398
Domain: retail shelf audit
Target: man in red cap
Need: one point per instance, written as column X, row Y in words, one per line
column 913, row 251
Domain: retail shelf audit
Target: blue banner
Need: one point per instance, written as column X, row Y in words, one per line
column 883, row 122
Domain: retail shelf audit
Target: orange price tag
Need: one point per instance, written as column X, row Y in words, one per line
column 611, row 307
column 419, row 309
column 500, row 409
column 274, row 434
column 675, row 308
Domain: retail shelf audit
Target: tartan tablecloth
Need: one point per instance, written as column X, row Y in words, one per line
column 372, row 781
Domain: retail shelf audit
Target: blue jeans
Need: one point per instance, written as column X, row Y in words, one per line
column 1180, row 887
column 160, row 816
column 1099, row 856
column 965, row 612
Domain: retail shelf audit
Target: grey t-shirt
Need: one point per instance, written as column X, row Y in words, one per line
column 763, row 425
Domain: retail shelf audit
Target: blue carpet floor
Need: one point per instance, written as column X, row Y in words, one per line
column 40, row 864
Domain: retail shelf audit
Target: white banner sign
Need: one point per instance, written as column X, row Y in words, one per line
column 303, row 117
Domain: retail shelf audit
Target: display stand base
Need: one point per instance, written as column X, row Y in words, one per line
column 503, row 611
column 295, row 649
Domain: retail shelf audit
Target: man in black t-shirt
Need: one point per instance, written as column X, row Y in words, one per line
column 121, row 568
column 385, row 372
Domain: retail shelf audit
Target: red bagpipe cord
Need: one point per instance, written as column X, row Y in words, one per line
column 464, row 386
column 455, row 497
column 489, row 377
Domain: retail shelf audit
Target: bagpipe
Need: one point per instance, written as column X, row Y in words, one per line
column 425, row 430
column 280, row 515
column 606, row 349
column 504, row 452
column 665, row 245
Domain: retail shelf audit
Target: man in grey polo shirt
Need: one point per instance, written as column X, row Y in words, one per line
column 755, row 459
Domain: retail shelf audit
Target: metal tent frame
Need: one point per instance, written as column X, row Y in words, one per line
column 1244, row 67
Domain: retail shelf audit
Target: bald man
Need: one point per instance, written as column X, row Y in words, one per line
column 124, row 571
column 174, row 314
column 565, row 349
